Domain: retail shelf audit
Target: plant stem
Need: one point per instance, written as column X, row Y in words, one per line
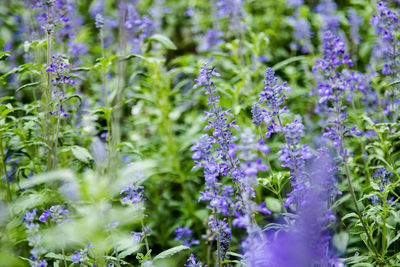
column 145, row 238
column 384, row 229
column 65, row 260
column 9, row 193
column 370, row 241
column 106, row 102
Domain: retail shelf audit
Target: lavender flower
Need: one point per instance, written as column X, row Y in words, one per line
column 81, row 256
column 330, row 20
column 192, row 262
column 387, row 26
column 213, row 38
column 57, row 213
column 99, row 21
column 302, row 30
column 133, row 193
column 59, row 68
column 185, row 233
column 139, row 236
column 272, row 94
column 53, row 14
column 355, row 21
column 332, row 89
column 138, row 27
column 232, row 9
column 34, row 239
column 306, row 241
column 227, row 163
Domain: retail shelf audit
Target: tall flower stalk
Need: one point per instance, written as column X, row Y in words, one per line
column 99, row 22
column 225, row 163
column 388, row 26
column 331, row 90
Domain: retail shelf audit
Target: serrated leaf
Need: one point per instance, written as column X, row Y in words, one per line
column 164, row 40
column 81, row 154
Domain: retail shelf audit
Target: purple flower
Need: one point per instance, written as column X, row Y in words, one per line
column 133, row 193
column 306, row 240
column 57, row 214
column 232, row 9
column 99, row 21
column 44, row 216
column 211, row 39
column 81, row 256
column 34, row 239
column 387, row 26
column 185, row 233
column 330, row 20
column 192, row 262
column 138, row 236
column 273, row 93
column 355, row 21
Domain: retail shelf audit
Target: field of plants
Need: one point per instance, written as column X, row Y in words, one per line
column 199, row 133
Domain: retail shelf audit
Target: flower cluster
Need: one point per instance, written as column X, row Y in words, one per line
column 34, row 239
column 81, row 256
column 232, row 9
column 306, row 240
column 59, row 69
column 302, row 29
column 294, row 156
column 388, row 26
column 330, row 19
column 273, row 95
column 99, row 22
column 138, row 27
column 227, row 163
column 192, row 262
column 384, row 177
column 332, row 89
column 355, row 21
column 53, row 14
column 57, row 214
column 132, row 193
column 185, row 233
column 212, row 38
column 139, row 236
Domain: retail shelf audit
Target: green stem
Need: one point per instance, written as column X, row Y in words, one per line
column 219, row 249
column 370, row 241
column 384, row 229
column 365, row 161
column 9, row 193
column 65, row 260
column 145, row 238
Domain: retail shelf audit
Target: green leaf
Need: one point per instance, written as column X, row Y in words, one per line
column 273, row 204
column 63, row 175
column 4, row 55
column 175, row 256
column 27, row 85
column 164, row 40
column 349, row 215
column 340, row 241
column 81, row 69
column 58, row 256
column 287, row 62
column 81, row 154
